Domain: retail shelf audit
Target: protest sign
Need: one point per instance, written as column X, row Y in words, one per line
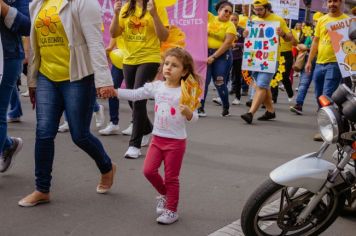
column 287, row 9
column 344, row 48
column 261, row 47
column 191, row 17
column 107, row 13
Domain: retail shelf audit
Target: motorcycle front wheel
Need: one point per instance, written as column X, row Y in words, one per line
column 273, row 210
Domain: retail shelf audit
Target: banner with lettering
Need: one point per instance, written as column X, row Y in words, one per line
column 261, row 46
column 288, row 9
column 191, row 16
column 107, row 13
column 344, row 48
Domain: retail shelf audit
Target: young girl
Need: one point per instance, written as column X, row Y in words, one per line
column 169, row 134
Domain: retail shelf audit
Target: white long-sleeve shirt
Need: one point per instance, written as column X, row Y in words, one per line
column 168, row 121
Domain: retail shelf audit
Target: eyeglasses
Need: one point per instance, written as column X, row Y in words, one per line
column 258, row 9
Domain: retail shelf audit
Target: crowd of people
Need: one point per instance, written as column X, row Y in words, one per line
column 68, row 68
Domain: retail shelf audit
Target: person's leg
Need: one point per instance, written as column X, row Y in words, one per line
column 141, row 123
column 234, row 77
column 238, row 79
column 153, row 161
column 12, row 68
column 288, row 65
column 332, row 80
column 114, row 103
column 207, row 79
column 318, row 78
column 173, row 158
column 15, row 105
column 220, row 70
column 304, row 84
column 49, row 108
column 79, row 99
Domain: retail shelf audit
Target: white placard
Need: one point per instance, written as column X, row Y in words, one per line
column 344, row 48
column 287, row 9
column 261, row 46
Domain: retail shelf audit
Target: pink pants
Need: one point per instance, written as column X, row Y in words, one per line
column 170, row 152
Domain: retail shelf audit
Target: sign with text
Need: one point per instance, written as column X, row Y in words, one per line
column 191, row 17
column 344, row 48
column 261, row 46
column 287, row 9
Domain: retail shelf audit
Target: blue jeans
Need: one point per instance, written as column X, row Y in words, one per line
column 304, row 83
column 15, row 105
column 77, row 99
column 114, row 103
column 12, row 70
column 327, row 78
column 219, row 71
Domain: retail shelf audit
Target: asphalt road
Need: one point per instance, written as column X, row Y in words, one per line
column 225, row 161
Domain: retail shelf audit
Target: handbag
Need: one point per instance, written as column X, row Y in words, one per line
column 299, row 61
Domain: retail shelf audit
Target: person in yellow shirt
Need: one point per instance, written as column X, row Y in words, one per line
column 243, row 18
column 143, row 26
column 327, row 75
column 221, row 34
column 263, row 95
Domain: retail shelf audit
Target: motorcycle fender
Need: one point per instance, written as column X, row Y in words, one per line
column 307, row 171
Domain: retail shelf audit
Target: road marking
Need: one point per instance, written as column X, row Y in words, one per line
column 234, row 229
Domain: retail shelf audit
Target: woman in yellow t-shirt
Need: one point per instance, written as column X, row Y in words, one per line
column 221, row 34
column 143, row 25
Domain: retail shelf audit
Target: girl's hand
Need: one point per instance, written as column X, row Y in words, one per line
column 280, row 32
column 245, row 33
column 185, row 110
column 106, row 92
column 151, row 8
column 117, row 6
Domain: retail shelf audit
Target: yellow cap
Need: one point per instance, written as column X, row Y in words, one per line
column 317, row 15
column 258, row 3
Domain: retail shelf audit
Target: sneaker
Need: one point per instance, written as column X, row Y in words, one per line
column 8, row 155
column 99, row 116
column 281, row 87
column 13, row 119
column 249, row 103
column 296, row 89
column 290, row 99
column 236, row 101
column 217, row 101
column 267, row 116
column 168, row 217
column 110, row 129
column 247, row 117
column 64, row 127
column 128, row 130
column 317, row 137
column 225, row 112
column 133, row 153
column 297, row 109
column 145, row 140
column 161, row 204
column 25, row 94
column 201, row 112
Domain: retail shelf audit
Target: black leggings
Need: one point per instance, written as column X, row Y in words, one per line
column 288, row 56
column 135, row 77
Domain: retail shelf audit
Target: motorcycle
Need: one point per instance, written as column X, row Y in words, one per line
column 305, row 195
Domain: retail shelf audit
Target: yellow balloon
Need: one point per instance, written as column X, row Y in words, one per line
column 117, row 57
column 165, row 3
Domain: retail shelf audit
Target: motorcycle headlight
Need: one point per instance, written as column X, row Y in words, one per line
column 329, row 124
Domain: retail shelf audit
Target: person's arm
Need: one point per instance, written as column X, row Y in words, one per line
column 26, row 48
column 115, row 29
column 312, row 54
column 161, row 31
column 145, row 92
column 17, row 18
column 223, row 48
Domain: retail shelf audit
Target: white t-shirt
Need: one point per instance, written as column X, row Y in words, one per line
column 168, row 121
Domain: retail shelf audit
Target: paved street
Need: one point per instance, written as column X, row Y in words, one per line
column 225, row 161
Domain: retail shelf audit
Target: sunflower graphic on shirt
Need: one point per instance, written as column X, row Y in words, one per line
column 137, row 25
column 46, row 21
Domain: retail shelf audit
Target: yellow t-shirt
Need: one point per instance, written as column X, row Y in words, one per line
column 243, row 21
column 52, row 41
column 282, row 25
column 217, row 31
column 140, row 39
column 325, row 49
column 287, row 46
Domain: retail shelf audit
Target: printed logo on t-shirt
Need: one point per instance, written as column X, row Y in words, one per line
column 137, row 29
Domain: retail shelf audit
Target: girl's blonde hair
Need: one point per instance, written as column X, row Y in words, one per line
column 186, row 59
